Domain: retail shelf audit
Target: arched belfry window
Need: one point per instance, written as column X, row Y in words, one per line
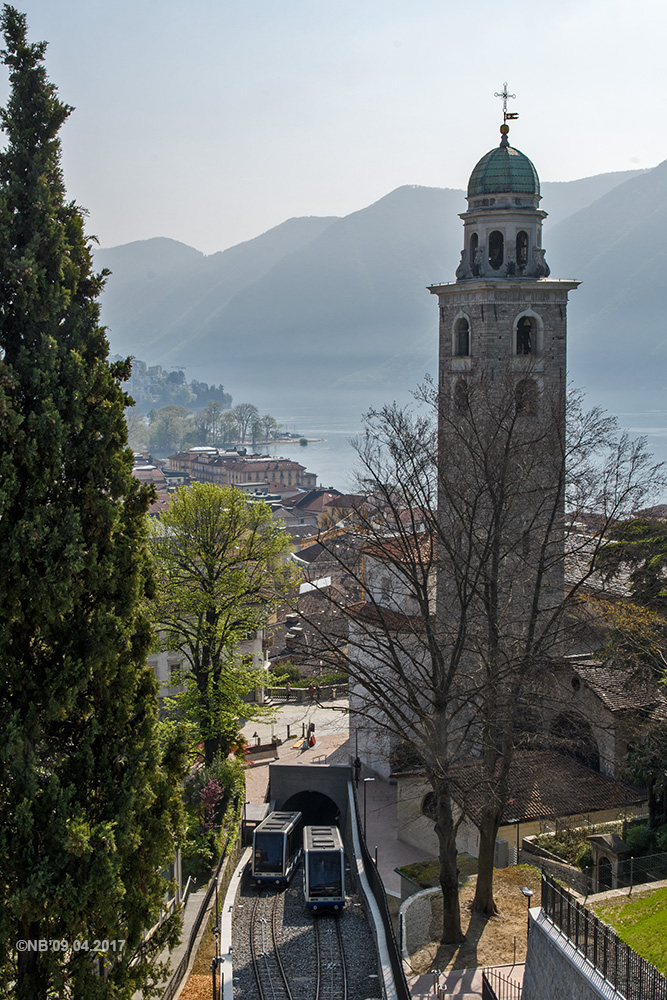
column 474, row 243
column 462, row 338
column 525, row 397
column 525, row 336
column 521, row 249
column 496, row 249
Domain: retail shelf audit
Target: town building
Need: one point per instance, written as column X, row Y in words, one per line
column 246, row 472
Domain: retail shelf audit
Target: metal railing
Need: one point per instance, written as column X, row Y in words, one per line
column 628, row 972
column 379, row 894
column 182, row 967
column 495, row 986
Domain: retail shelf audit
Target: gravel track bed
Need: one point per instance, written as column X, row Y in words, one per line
column 297, row 944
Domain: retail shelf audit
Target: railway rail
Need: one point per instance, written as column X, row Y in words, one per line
column 270, row 974
column 283, row 951
column 331, row 982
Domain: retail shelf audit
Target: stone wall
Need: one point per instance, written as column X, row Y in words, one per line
column 555, row 970
column 572, row 876
column 419, row 923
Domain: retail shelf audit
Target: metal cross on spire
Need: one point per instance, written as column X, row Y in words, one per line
column 507, row 115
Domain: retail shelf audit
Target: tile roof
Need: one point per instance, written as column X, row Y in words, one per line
column 543, row 785
column 622, row 687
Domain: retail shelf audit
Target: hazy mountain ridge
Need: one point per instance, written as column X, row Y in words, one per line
column 316, row 302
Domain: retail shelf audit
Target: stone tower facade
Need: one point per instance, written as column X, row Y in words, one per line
column 503, row 312
column 501, row 404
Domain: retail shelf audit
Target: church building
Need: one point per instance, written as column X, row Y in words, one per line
column 498, row 580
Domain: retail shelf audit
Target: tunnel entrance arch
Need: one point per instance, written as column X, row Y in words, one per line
column 315, row 807
column 319, row 791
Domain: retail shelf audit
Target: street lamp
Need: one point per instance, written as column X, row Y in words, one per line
column 528, row 893
column 366, row 780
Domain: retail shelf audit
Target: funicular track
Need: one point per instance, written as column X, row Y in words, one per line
column 283, row 951
column 270, row 974
column 331, row 981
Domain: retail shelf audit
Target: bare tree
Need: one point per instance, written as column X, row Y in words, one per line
column 245, row 414
column 464, row 536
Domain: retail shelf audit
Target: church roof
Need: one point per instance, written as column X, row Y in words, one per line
column 542, row 785
column 504, row 169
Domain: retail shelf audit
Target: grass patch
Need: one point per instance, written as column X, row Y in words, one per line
column 427, row 873
column 640, row 921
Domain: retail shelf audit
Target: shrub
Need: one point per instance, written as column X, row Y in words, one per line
column 584, row 858
column 661, row 839
column 639, row 838
column 286, row 671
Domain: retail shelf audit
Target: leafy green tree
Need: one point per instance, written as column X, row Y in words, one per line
column 88, row 801
column 169, row 428
column 646, row 764
column 639, row 546
column 221, row 565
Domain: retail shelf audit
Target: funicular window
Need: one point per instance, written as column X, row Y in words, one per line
column 324, row 873
column 526, row 397
column 525, row 336
column 496, row 249
column 521, row 249
column 462, row 338
column 268, row 852
column 293, row 837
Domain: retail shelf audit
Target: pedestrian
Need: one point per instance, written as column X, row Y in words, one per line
column 312, row 691
column 287, row 691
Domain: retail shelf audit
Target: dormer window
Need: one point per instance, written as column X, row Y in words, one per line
column 496, row 249
column 521, row 249
column 462, row 338
column 525, row 336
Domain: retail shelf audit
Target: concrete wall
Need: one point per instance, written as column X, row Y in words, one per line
column 419, row 923
column 555, row 970
column 288, row 780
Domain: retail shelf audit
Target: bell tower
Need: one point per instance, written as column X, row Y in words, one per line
column 504, row 312
column 501, row 410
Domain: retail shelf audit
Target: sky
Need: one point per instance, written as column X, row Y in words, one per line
column 212, row 123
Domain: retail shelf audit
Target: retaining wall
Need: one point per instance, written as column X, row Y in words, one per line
column 555, row 970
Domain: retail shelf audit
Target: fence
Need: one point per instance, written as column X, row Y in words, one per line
column 182, row 967
column 380, row 896
column 627, row 814
column 302, row 695
column 636, row 871
column 630, row 974
column 495, row 986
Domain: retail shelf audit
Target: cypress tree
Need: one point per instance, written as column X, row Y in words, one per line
column 88, row 805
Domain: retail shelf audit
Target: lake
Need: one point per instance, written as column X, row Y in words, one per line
column 337, row 417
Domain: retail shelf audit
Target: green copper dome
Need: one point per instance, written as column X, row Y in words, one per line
column 504, row 169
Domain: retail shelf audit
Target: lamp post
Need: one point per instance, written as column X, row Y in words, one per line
column 528, row 893
column 366, row 780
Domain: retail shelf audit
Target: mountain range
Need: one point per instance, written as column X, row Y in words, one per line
column 318, row 308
